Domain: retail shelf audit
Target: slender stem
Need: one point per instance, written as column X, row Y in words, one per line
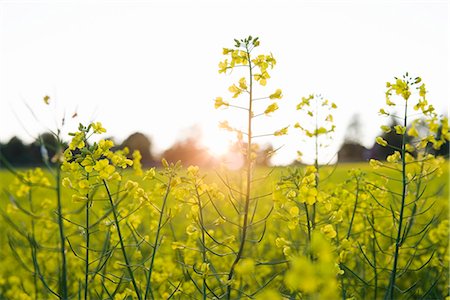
column 390, row 290
column 374, row 254
column 343, row 290
column 63, row 279
column 316, row 165
column 354, row 208
column 87, row 232
column 122, row 246
column 415, row 205
column 203, row 249
column 148, row 288
column 33, row 248
column 248, row 178
column 308, row 222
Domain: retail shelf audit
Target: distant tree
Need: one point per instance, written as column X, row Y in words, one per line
column 16, row 152
column 352, row 150
column 353, row 132
column 139, row 141
column 45, row 145
column 189, row 152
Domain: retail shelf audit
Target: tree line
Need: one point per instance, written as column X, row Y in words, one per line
column 20, row 154
column 191, row 152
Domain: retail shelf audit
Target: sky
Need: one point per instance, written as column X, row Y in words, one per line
column 152, row 66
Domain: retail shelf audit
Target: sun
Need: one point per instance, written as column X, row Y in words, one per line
column 217, row 143
column 218, row 147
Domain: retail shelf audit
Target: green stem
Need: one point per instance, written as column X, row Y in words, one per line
column 122, row 246
column 87, row 232
column 308, row 226
column 148, row 288
column 308, row 222
column 374, row 254
column 354, row 209
column 248, row 179
column 33, row 248
column 390, row 290
column 203, row 249
column 63, row 279
column 316, row 165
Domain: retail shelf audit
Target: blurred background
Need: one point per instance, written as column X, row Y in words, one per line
column 148, row 70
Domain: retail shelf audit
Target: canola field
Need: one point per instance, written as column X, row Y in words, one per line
column 346, row 252
column 93, row 224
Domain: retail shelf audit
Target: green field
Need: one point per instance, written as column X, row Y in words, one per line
column 199, row 237
column 94, row 225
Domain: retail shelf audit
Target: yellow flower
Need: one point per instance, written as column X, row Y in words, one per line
column 226, row 51
column 399, row 129
column 104, row 169
column 235, row 90
column 137, row 166
column 77, row 141
column 309, row 179
column 225, row 125
column 218, row 102
column 281, row 242
column 83, row 184
column 150, row 174
column 245, row 267
column 380, row 141
column 66, row 182
column 422, row 90
column 98, row 128
column 294, row 211
column 282, row 131
column 140, row 194
column 394, row 157
column 310, row 279
column 409, row 158
column 383, row 112
column 119, row 160
column 242, row 83
column 329, row 231
column 271, row 108
column 374, row 163
column 389, row 102
column 262, row 78
column 88, row 164
column 401, row 88
column 192, row 171
column 276, row 95
column 310, row 170
column 129, row 185
column 191, row 229
column 409, row 148
column 308, row 195
column 223, row 65
column 321, row 130
column 413, row 131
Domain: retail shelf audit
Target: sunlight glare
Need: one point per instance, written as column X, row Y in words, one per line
column 218, row 144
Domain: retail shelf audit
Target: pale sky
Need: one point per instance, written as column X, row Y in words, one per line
column 152, row 66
